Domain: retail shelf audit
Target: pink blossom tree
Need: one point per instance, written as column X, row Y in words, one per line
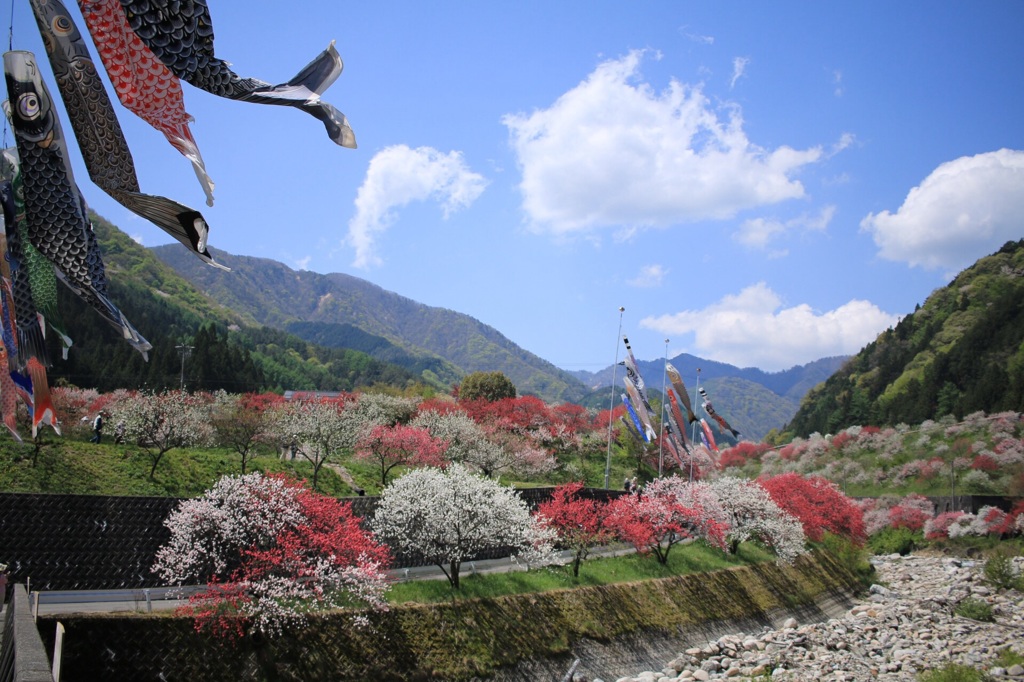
column 912, row 512
column 467, row 442
column 818, row 504
column 399, row 445
column 655, row 521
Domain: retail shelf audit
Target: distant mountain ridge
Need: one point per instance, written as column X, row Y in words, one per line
column 439, row 342
column 440, row 345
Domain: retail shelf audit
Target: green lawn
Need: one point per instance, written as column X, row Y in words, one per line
column 693, row 558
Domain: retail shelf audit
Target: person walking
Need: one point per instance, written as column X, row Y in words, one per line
column 97, row 428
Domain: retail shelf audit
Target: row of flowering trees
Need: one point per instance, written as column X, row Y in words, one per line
column 916, row 514
column 981, row 454
column 521, row 436
column 271, row 551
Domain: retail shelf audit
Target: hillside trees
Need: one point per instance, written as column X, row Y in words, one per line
column 489, row 386
column 956, row 354
column 271, row 552
column 449, row 516
column 218, row 364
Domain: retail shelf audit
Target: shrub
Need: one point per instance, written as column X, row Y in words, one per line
column 975, row 609
column 850, row 554
column 953, row 672
column 890, row 540
column 1000, row 572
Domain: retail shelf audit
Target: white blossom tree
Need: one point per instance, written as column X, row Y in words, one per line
column 449, row 516
column 753, row 515
column 382, row 409
column 159, row 422
column 271, row 553
column 319, row 430
column 468, row 443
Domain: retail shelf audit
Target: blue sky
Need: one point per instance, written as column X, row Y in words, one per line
column 762, row 184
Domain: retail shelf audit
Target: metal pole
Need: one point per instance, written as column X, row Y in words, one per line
column 664, row 400
column 185, row 350
column 611, row 402
column 693, row 436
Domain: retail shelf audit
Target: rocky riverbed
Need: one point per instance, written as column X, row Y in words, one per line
column 904, row 626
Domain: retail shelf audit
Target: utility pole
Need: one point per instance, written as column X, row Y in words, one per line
column 185, row 352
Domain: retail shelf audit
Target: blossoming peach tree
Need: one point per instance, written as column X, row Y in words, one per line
column 448, row 516
column 657, row 519
column 270, row 553
column 578, row 521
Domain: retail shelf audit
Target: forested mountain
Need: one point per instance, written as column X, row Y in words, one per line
column 439, row 344
column 960, row 352
column 221, row 350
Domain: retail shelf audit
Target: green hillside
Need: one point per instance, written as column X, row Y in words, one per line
column 960, row 352
column 223, row 349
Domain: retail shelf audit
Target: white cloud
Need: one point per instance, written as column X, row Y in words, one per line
column 756, row 233
column 739, row 65
column 697, row 37
column 303, row 263
column 137, row 238
column 965, row 209
column 837, row 83
column 650, row 276
column 752, row 329
column 613, row 152
column 399, row 175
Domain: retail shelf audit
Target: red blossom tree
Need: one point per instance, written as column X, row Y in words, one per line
column 656, row 523
column 578, row 521
column 818, row 504
column 912, row 512
column 400, row 445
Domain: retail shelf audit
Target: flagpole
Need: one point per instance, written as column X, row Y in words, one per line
column 611, row 403
column 664, row 401
column 693, row 437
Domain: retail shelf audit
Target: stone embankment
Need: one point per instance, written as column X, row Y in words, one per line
column 898, row 631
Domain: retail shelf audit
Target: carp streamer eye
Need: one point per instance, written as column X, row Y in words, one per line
column 62, row 26
column 28, row 106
